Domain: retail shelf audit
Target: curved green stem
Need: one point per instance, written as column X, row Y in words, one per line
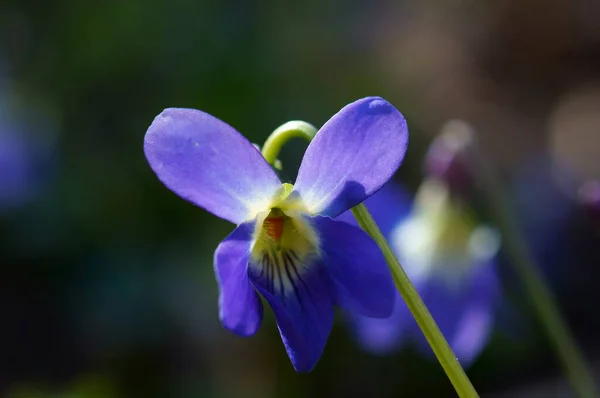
column 284, row 133
column 432, row 333
column 540, row 294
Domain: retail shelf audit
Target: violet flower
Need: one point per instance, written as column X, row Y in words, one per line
column 450, row 260
column 286, row 246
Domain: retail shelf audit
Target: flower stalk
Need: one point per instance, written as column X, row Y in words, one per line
column 284, row 133
column 438, row 343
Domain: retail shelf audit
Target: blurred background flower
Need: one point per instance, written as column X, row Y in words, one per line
column 28, row 158
column 451, row 261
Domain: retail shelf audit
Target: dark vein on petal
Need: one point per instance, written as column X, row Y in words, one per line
column 289, row 263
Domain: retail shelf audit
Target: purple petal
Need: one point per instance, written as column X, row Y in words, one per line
column 208, row 163
column 472, row 333
column 240, row 308
column 16, row 170
column 352, row 156
column 299, row 296
column 464, row 313
column 383, row 336
column 361, row 280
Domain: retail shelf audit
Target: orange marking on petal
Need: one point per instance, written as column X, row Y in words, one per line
column 273, row 226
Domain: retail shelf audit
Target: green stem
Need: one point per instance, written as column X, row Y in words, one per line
column 284, row 133
column 432, row 333
column 540, row 294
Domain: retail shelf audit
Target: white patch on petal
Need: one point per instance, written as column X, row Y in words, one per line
column 484, row 243
column 414, row 244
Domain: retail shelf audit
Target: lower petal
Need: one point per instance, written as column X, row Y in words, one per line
column 299, row 296
column 464, row 313
column 383, row 336
column 472, row 333
column 361, row 280
column 240, row 308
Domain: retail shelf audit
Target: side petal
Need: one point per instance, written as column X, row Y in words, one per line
column 299, row 296
column 360, row 278
column 352, row 156
column 210, row 164
column 240, row 308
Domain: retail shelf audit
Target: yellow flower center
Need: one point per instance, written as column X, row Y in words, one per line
column 284, row 241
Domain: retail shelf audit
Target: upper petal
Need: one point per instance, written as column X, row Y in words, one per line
column 361, row 280
column 388, row 207
column 240, row 308
column 352, row 156
column 207, row 162
column 298, row 293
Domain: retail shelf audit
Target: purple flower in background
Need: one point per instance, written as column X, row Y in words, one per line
column 26, row 151
column 286, row 245
column 15, row 168
column 449, row 259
